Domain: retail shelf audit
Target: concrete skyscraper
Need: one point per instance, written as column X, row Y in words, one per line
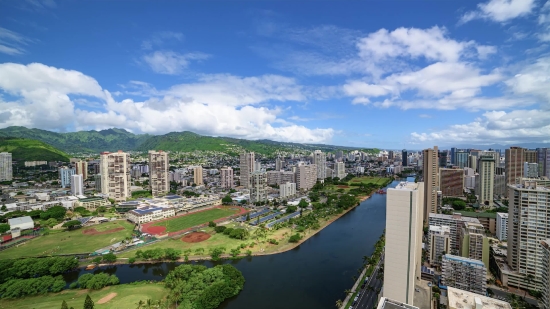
column 258, row 189
column 65, row 174
column 439, row 243
column 158, row 172
column 306, row 176
column 431, row 181
column 6, row 169
column 82, row 169
column 403, row 251
column 461, row 159
column 514, row 160
column 115, row 175
column 473, row 242
column 340, row 170
column 502, row 226
column 405, row 157
column 319, row 159
column 226, row 180
column 77, row 185
column 486, row 180
column 543, row 159
column 246, row 165
column 464, row 273
column 278, row 164
column 530, row 170
column 197, row 175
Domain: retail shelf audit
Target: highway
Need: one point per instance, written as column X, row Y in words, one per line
column 367, row 297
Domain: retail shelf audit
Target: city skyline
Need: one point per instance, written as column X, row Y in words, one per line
column 449, row 72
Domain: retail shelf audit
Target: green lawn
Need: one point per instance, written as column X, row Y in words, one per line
column 367, row 179
column 184, row 222
column 64, row 242
column 127, row 297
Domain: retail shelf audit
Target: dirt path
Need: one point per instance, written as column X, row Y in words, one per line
column 107, row 298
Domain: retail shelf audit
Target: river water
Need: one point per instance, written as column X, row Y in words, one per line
column 313, row 275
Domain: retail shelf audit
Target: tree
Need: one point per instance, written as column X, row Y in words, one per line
column 226, row 200
column 64, row 305
column 211, row 224
column 4, row 228
column 88, row 303
column 339, row 303
column 303, row 203
column 73, row 224
column 109, row 258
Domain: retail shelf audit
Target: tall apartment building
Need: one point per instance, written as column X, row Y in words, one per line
column 451, row 181
column 545, row 274
column 319, row 159
column 486, row 183
column 82, row 168
column 455, row 223
column 439, row 243
column 278, row 164
column 543, row 159
column 502, row 226
column 405, row 157
column 258, row 190
column 226, row 180
column 274, row 177
column 461, row 159
column 246, row 165
column 514, row 159
column 500, row 187
column 442, row 156
column 77, row 184
column 391, row 155
column 6, row 168
column 453, row 155
column 158, row 172
column 403, row 251
column 531, row 156
column 464, row 273
column 430, row 168
column 97, row 182
column 287, row 190
column 528, row 213
column 197, row 175
column 306, row 176
column 530, row 170
column 340, row 170
column 115, row 175
column 473, row 162
column 288, row 177
column 65, row 174
column 473, row 243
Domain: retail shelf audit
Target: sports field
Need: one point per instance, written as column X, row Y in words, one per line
column 118, row 296
column 83, row 240
column 184, row 222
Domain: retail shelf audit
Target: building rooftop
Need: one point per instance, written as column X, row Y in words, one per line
column 405, row 185
column 386, row 303
column 455, row 216
column 464, row 260
column 467, row 300
column 149, row 209
column 20, row 220
column 474, row 214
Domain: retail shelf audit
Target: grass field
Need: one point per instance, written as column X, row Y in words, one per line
column 184, row 222
column 127, row 297
column 70, row 241
column 357, row 180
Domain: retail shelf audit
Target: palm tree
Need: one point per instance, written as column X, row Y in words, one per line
column 139, row 304
column 339, row 303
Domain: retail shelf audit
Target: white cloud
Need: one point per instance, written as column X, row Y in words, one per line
column 170, row 62
column 12, row 43
column 544, row 22
column 533, row 80
column 500, row 10
column 225, row 105
column 160, row 38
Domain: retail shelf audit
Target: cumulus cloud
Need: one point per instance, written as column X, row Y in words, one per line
column 533, row 80
column 500, row 10
column 170, row 62
column 45, row 97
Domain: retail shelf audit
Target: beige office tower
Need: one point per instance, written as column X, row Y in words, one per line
column 528, row 213
column 514, row 157
column 319, row 159
column 473, row 162
column 473, row 243
column 403, row 252
column 246, row 165
column 82, row 169
column 439, row 243
column 306, row 176
column 431, row 182
column 158, row 172
column 197, row 175
column 258, row 190
column 226, row 180
column 486, row 181
column 115, row 175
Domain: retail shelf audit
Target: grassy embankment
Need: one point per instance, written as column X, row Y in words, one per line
column 127, row 297
column 65, row 242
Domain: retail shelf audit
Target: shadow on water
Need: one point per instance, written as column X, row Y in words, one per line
column 313, row 275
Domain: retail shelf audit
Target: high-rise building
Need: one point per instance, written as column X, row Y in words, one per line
column 65, row 174
column 340, row 170
column 115, row 175
column 442, row 157
column 530, row 156
column 464, row 273
column 502, row 226
column 278, row 164
column 514, row 159
column 246, row 165
column 77, row 184
column 6, row 168
column 473, row 243
column 500, row 187
column 197, row 175
column 306, row 176
column 543, row 159
column 386, row 303
column 97, row 182
column 473, row 162
column 453, row 155
column 430, row 168
column 257, row 166
column 258, row 190
column 405, row 157
column 451, row 181
column 319, row 159
column 545, row 274
column 530, row 170
column 288, row 177
column 528, row 213
column 439, row 243
column 391, row 155
column 226, row 180
column 455, row 223
column 461, row 159
column 403, row 249
column 82, row 168
column 158, row 173
column 287, row 190
column 486, row 180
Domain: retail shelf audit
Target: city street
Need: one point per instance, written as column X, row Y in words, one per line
column 369, row 296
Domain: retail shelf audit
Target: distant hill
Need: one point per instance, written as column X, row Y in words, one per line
column 31, row 150
column 120, row 139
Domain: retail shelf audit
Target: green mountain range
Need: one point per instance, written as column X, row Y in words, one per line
column 23, row 149
column 120, row 139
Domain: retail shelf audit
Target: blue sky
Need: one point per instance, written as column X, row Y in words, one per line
column 374, row 73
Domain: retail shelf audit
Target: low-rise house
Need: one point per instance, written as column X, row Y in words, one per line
column 22, row 223
column 150, row 213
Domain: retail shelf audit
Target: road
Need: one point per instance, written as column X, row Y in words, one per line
column 503, row 295
column 368, row 297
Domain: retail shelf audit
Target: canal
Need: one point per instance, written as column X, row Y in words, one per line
column 313, row 275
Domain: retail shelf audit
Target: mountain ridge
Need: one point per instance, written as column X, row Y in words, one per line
column 23, row 149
